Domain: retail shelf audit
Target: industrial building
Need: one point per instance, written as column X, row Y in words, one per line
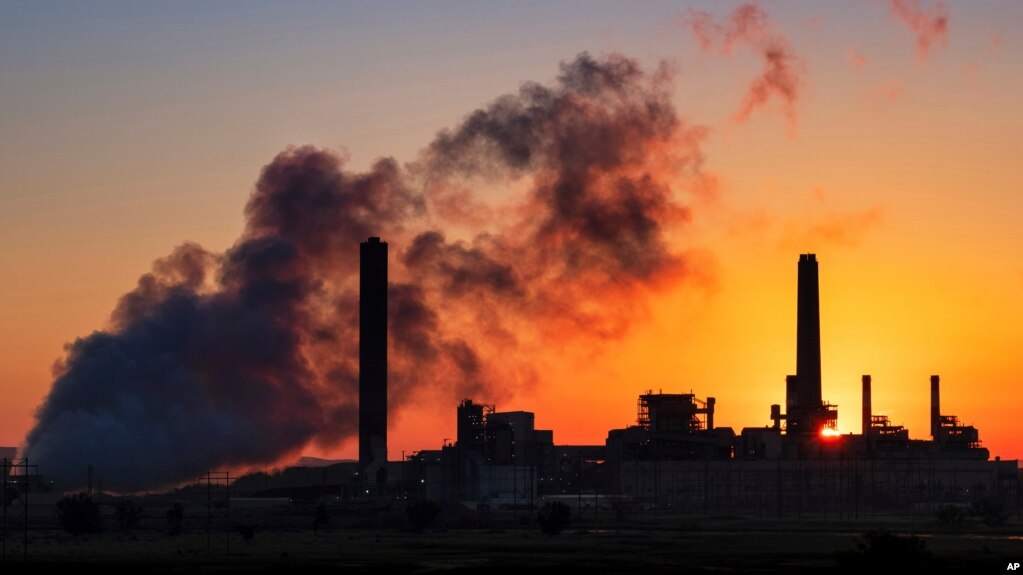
column 674, row 456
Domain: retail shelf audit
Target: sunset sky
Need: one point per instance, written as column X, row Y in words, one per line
column 885, row 143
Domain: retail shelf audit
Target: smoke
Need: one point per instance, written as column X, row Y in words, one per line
column 545, row 216
column 841, row 228
column 857, row 60
column 890, row 90
column 930, row 25
column 227, row 359
column 749, row 25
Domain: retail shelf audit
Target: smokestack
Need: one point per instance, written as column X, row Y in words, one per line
column 373, row 361
column 866, row 405
column 710, row 412
column 935, row 406
column 808, row 340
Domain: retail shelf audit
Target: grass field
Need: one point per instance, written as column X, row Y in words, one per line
column 647, row 545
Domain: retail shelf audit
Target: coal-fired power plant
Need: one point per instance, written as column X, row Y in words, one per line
column 373, row 362
column 675, row 455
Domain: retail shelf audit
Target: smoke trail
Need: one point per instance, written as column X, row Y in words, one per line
column 749, row 25
column 930, row 25
column 242, row 358
column 857, row 60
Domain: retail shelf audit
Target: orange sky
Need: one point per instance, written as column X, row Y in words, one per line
column 124, row 134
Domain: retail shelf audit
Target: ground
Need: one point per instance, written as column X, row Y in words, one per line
column 649, row 544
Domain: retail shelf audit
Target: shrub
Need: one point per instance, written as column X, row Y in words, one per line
column 127, row 513
column 949, row 514
column 78, row 514
column 554, row 517
column 888, row 550
column 989, row 511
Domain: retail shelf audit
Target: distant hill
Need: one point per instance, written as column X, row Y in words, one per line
column 306, row 461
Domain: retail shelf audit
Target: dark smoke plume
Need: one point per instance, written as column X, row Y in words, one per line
column 243, row 358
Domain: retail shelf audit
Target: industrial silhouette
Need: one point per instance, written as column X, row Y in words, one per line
column 373, row 362
column 806, row 414
column 674, row 455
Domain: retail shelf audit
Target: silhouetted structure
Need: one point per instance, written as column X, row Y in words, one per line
column 675, row 457
column 949, row 435
column 471, row 430
column 865, row 421
column 373, row 362
column 805, row 412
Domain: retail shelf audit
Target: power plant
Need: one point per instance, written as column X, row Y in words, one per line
column 675, row 456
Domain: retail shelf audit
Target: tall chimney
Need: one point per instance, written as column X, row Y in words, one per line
column 935, row 406
column 710, row 412
column 373, row 361
column 866, row 405
column 808, row 341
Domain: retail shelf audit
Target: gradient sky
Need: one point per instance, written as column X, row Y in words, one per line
column 127, row 128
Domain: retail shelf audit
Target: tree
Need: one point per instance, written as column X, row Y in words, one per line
column 989, row 511
column 175, row 519
column 554, row 517
column 127, row 514
column 883, row 549
column 78, row 514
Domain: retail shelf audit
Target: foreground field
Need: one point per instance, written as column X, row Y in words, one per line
column 720, row 546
